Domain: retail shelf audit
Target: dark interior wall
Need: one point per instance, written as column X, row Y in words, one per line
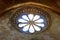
column 7, row 3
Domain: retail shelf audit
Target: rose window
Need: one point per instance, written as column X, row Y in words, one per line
column 30, row 19
column 31, row 23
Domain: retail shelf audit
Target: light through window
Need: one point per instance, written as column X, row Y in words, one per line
column 31, row 23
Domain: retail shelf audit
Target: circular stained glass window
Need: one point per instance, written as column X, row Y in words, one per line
column 31, row 23
column 30, row 19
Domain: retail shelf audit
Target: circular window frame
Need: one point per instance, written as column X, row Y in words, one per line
column 15, row 15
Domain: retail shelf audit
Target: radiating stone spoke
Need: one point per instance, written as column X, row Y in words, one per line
column 25, row 17
column 31, row 16
column 37, row 28
column 36, row 17
column 22, row 20
column 21, row 25
column 40, row 20
column 26, row 28
column 41, row 25
column 31, row 29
